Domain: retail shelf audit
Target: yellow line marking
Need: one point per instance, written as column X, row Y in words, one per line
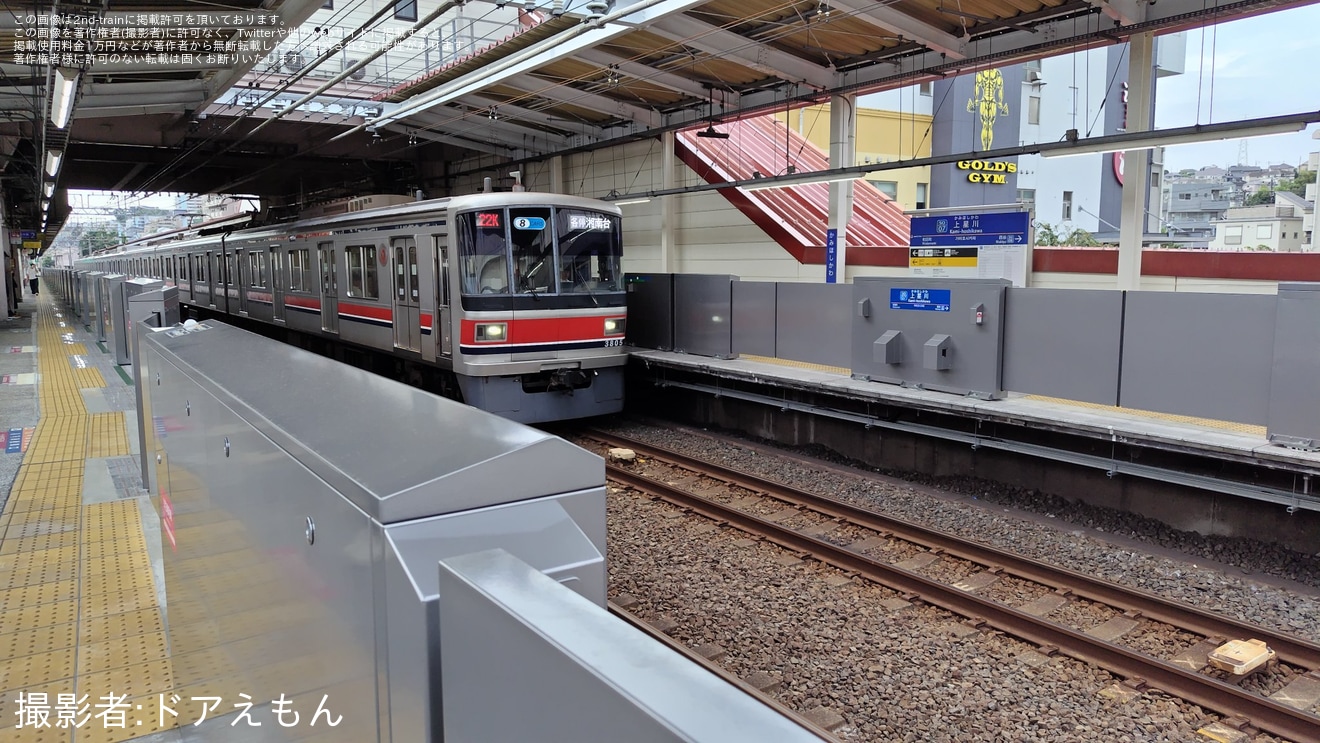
column 78, row 609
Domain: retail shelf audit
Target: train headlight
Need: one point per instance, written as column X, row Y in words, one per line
column 615, row 325
column 491, row 332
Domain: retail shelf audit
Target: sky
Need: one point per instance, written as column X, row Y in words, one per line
column 1262, row 66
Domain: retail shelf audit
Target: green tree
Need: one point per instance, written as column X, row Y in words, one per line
column 94, row 240
column 1262, row 197
column 1298, row 185
column 1080, row 238
column 1046, row 234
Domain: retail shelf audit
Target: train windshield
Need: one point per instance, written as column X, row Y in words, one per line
column 538, row 251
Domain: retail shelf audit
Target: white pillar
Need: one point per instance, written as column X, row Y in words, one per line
column 1136, row 163
column 557, row 174
column 668, row 206
column 843, row 153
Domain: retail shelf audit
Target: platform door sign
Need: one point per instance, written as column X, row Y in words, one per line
column 994, row 245
column 930, row 300
column 831, row 256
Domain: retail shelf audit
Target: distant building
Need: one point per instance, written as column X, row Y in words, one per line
column 1276, row 228
column 890, row 126
column 1190, row 206
column 1303, row 206
column 219, row 206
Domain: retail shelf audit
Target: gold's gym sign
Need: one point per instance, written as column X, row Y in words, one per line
column 986, row 171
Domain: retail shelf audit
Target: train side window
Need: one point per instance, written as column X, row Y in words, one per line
column 362, row 279
column 299, row 263
column 443, row 255
column 257, row 269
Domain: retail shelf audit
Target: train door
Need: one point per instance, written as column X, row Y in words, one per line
column 228, row 280
column 407, row 313
column 276, row 283
column 210, row 276
column 329, row 288
column 441, row 326
column 241, row 271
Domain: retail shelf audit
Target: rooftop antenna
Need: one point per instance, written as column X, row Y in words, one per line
column 517, row 181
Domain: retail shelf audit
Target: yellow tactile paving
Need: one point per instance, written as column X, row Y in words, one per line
column 1206, row 422
column 78, row 608
column 107, row 435
column 845, row 371
column 89, row 377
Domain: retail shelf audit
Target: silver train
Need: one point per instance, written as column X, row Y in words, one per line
column 519, row 295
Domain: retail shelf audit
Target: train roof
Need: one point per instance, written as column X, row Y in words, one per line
column 420, row 211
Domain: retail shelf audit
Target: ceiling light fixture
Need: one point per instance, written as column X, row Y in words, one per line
column 626, row 202
column 1146, row 140
column 50, row 190
column 53, row 159
column 710, row 133
column 65, row 88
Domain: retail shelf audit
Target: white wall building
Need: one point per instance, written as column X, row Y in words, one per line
column 1276, row 228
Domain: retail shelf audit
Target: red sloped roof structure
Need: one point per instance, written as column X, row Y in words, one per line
column 794, row 216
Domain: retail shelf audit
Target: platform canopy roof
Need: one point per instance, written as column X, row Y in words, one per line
column 569, row 75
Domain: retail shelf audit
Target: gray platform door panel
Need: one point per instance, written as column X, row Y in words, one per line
column 1294, row 405
column 1200, row 354
column 939, row 334
column 407, row 314
column 328, row 259
column 1063, row 343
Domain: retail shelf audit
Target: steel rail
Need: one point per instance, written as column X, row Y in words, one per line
column 718, row 670
column 1134, row 601
column 1263, row 713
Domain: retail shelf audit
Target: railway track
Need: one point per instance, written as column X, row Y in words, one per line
column 1182, row 679
column 716, row 669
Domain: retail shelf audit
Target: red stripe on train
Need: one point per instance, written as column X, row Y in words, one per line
column 362, row 310
column 545, row 329
column 305, row 302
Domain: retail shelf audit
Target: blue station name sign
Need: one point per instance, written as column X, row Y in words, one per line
column 931, row 300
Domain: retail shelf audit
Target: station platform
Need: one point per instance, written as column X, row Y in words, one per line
column 1201, row 437
column 81, row 578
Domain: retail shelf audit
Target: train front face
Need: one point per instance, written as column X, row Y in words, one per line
column 542, row 310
